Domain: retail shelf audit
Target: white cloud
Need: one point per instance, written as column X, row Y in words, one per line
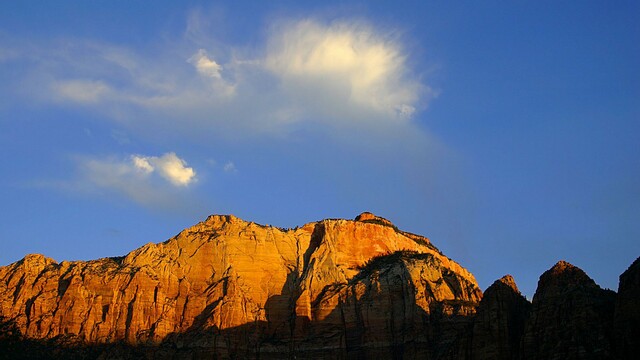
column 205, row 65
column 210, row 69
column 338, row 74
column 142, row 163
column 134, row 177
column 350, row 59
column 173, row 169
column 169, row 166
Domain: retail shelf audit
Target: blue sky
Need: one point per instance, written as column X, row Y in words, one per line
column 506, row 132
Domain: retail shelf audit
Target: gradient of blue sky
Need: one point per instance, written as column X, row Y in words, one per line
column 508, row 133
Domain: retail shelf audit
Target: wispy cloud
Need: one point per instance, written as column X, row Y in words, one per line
column 335, row 74
column 81, row 91
column 209, row 68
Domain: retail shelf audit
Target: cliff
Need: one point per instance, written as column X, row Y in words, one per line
column 230, row 286
column 333, row 289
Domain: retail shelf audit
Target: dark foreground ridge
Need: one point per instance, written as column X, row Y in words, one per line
column 334, row 289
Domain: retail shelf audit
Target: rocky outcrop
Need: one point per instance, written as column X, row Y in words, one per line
column 332, row 289
column 571, row 317
column 627, row 312
column 500, row 320
column 227, row 286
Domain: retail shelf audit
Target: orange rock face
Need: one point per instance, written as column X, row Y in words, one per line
column 346, row 289
column 338, row 285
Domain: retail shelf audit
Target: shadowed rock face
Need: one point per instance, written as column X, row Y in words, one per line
column 500, row 320
column 627, row 313
column 571, row 317
column 227, row 285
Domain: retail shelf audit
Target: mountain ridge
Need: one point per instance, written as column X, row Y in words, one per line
column 333, row 288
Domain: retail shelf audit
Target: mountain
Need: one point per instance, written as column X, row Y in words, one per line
column 362, row 288
column 500, row 321
column 571, row 317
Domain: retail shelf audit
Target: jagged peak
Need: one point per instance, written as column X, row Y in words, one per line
column 33, row 263
column 562, row 266
column 371, row 217
column 508, row 281
column 37, row 259
column 221, row 218
column 368, row 217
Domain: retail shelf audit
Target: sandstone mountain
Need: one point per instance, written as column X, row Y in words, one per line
column 228, row 288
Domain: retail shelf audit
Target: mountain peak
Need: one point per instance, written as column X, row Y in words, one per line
column 563, row 276
column 227, row 273
column 373, row 218
column 510, row 282
column 221, row 219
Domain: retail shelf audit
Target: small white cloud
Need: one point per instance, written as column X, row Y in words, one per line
column 205, row 65
column 230, row 167
column 148, row 180
column 169, row 166
column 138, row 168
column 173, row 169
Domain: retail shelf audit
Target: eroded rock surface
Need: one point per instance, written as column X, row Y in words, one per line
column 332, row 289
column 227, row 286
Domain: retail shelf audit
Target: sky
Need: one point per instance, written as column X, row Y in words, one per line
column 506, row 132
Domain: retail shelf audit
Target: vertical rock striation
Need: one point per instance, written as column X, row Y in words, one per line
column 332, row 289
column 229, row 286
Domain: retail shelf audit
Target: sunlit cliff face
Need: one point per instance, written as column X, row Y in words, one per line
column 225, row 272
column 362, row 287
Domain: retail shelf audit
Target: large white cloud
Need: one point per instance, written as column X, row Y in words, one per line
column 333, row 74
column 350, row 59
